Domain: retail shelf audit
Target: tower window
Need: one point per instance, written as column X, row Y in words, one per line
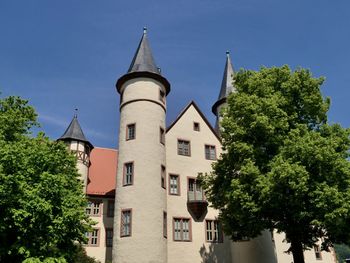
column 109, row 237
column 131, row 131
column 161, row 135
column 174, row 185
column 128, row 174
column 182, row 229
column 163, row 177
column 161, row 95
column 318, row 254
column 183, row 147
column 196, row 126
column 125, row 226
column 165, row 225
column 213, row 231
column 210, row 152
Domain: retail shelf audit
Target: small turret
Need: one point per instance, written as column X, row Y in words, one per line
column 77, row 143
column 227, row 87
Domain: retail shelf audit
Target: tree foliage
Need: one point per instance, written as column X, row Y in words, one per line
column 41, row 198
column 283, row 167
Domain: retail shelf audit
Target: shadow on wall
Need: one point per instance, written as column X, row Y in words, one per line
column 215, row 253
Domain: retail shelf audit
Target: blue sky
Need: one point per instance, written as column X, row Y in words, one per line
column 63, row 55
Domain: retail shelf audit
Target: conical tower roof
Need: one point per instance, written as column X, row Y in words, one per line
column 227, row 86
column 74, row 132
column 143, row 65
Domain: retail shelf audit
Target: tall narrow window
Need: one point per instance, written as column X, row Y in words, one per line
column 162, row 175
column 131, row 131
column 196, row 126
column 110, row 208
column 125, row 223
column 93, row 238
column 174, row 186
column 318, row 254
column 213, row 231
column 128, row 174
column 210, row 152
column 161, row 135
column 165, row 224
column 183, row 147
column 161, row 95
column 182, row 229
column 109, row 237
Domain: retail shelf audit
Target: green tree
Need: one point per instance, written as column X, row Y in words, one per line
column 41, row 199
column 283, row 167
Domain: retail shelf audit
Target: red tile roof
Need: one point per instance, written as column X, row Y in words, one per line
column 102, row 172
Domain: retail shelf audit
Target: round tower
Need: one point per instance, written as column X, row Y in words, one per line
column 140, row 203
column 226, row 88
column 78, row 144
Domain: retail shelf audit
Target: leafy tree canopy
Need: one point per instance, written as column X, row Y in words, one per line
column 41, row 199
column 283, row 167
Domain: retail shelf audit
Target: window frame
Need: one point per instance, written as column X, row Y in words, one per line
column 178, row 184
column 162, row 95
column 165, row 224
column 125, row 173
column 210, row 147
column 127, row 137
column 93, row 207
column 198, row 128
column 163, row 176
column 220, row 236
column 89, row 236
column 179, row 140
column 106, row 237
column 162, row 135
column 181, row 230
column 122, row 224
column 318, row 252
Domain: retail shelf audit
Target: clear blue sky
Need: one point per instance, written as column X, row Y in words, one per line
column 66, row 54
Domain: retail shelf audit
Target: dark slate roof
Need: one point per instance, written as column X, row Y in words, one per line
column 226, row 84
column 143, row 59
column 74, row 132
column 143, row 65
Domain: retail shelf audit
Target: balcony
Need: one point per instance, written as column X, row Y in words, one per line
column 196, row 202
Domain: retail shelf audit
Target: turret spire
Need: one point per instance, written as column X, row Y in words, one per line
column 227, row 86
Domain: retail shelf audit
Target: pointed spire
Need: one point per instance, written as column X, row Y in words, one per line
column 227, row 86
column 74, row 131
column 143, row 65
column 143, row 59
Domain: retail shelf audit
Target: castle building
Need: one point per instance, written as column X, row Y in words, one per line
column 145, row 197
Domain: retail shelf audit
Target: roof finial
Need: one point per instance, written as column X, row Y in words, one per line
column 76, row 113
column 144, row 30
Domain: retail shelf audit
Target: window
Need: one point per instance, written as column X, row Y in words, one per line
column 162, row 96
column 109, row 237
column 174, row 185
column 110, row 208
column 182, row 229
column 161, row 135
column 195, row 191
column 213, row 231
column 131, row 131
column 183, row 148
column 128, row 174
column 93, row 238
column 125, row 223
column 318, row 254
column 196, row 126
column 210, row 152
column 165, row 227
column 93, row 208
column 163, row 177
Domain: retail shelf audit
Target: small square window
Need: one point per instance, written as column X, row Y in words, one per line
column 196, row 126
column 161, row 135
column 128, row 174
column 131, row 131
column 210, row 152
column 125, row 223
column 183, row 147
column 161, row 95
